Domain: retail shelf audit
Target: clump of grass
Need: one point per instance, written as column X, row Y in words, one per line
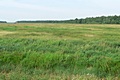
column 72, row 63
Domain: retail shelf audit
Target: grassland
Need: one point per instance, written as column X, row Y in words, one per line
column 59, row 52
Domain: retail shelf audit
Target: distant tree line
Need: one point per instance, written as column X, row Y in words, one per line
column 3, row 22
column 49, row 21
column 100, row 20
column 90, row 20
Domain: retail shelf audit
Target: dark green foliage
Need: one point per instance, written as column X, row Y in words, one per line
column 91, row 20
column 101, row 20
column 3, row 22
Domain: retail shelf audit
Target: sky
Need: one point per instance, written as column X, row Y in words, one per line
column 15, row 10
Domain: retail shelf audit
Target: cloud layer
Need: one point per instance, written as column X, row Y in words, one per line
column 12, row 10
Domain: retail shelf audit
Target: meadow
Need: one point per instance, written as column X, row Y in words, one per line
column 59, row 51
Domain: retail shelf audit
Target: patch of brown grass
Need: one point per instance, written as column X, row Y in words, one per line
column 2, row 33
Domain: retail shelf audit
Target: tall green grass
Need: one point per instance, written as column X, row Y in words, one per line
column 59, row 51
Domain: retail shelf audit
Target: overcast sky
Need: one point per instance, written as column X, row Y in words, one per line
column 13, row 10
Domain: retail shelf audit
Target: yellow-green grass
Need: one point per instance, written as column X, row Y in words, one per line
column 59, row 51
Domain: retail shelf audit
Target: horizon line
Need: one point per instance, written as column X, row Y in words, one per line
column 56, row 19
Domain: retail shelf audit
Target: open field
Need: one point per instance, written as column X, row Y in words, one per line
column 59, row 52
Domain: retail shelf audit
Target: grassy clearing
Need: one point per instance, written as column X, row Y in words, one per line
column 59, row 51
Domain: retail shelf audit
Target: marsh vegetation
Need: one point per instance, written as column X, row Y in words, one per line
column 59, row 51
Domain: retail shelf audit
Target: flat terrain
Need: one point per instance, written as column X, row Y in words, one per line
column 59, row 52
